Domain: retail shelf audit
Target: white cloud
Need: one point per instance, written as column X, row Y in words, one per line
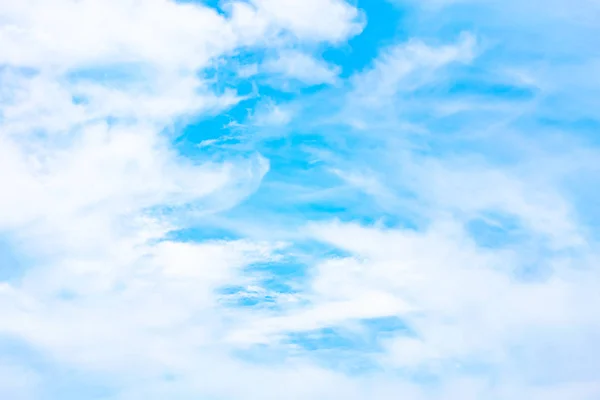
column 126, row 299
column 91, row 184
column 303, row 67
column 405, row 66
column 271, row 114
column 64, row 34
column 462, row 301
column 328, row 20
column 363, row 304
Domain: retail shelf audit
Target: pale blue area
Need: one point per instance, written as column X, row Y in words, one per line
column 287, row 276
column 56, row 380
column 110, row 75
column 496, row 230
column 14, row 260
column 10, row 266
column 349, row 350
column 202, row 233
column 274, row 279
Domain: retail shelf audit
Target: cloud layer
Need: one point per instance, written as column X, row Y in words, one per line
column 237, row 201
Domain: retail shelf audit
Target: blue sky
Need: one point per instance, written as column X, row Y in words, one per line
column 299, row 199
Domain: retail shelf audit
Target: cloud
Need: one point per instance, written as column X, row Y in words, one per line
column 402, row 66
column 164, row 33
column 303, row 67
column 330, row 20
column 272, row 115
column 423, row 229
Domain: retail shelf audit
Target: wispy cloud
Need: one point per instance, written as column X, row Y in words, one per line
column 405, row 66
column 302, row 67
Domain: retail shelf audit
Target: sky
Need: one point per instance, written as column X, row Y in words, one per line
column 299, row 199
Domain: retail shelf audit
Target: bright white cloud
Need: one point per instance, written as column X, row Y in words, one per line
column 63, row 34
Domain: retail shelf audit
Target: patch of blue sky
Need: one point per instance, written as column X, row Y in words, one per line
column 482, row 89
column 362, row 336
column 67, row 295
column 328, row 349
column 571, row 111
column 587, row 126
column 353, row 349
column 266, row 281
column 273, row 279
column 243, row 297
column 293, row 206
column 199, row 140
column 438, row 22
column 214, row 4
column 281, row 96
column 468, row 133
column 386, row 326
column 229, row 131
column 201, row 232
column 6, row 70
column 302, row 183
column 496, row 230
column 302, row 186
column 276, row 273
column 9, row 92
column 585, row 196
column 232, row 129
column 14, row 259
column 535, row 270
column 8, row 76
column 269, row 283
column 10, row 262
column 116, row 75
column 432, row 375
column 286, row 88
column 244, row 72
column 385, row 25
column 463, row 89
column 327, row 339
column 266, row 284
column 502, row 231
